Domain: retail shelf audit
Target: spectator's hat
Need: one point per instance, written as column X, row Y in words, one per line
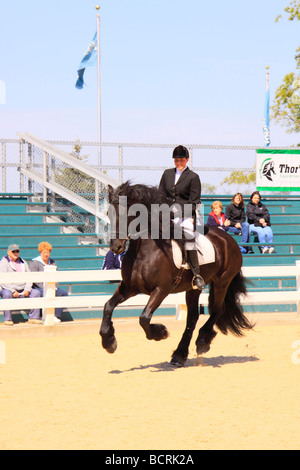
column 13, row 247
column 180, row 152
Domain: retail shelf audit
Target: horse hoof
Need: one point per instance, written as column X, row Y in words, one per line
column 112, row 347
column 157, row 332
column 177, row 362
column 202, row 347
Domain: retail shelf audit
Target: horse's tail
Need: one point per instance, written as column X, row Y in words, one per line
column 233, row 318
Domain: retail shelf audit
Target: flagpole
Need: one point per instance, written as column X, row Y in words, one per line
column 99, row 83
column 267, row 104
column 267, row 90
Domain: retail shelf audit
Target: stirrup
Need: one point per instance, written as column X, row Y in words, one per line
column 198, row 282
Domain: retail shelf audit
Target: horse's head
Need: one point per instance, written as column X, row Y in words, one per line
column 117, row 214
column 139, row 211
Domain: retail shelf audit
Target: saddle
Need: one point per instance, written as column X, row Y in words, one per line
column 205, row 249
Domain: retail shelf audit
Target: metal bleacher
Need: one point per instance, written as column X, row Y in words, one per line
column 285, row 220
column 28, row 223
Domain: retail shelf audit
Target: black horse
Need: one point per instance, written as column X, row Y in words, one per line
column 148, row 268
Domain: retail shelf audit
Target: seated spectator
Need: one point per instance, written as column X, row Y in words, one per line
column 113, row 261
column 10, row 264
column 259, row 222
column 38, row 264
column 216, row 218
column 235, row 213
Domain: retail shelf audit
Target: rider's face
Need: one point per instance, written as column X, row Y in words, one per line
column 180, row 163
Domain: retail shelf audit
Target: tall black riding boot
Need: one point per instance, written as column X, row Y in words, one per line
column 192, row 258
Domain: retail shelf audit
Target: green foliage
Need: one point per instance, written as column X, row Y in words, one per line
column 73, row 179
column 286, row 104
column 293, row 10
column 207, row 188
column 239, row 177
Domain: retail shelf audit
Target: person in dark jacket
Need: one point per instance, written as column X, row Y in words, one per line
column 217, row 218
column 182, row 187
column 235, row 213
column 112, row 261
column 260, row 222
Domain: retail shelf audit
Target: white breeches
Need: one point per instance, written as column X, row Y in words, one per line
column 188, row 229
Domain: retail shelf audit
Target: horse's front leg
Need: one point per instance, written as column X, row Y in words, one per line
column 180, row 355
column 154, row 331
column 107, row 331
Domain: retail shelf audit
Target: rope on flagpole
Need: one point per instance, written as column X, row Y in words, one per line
column 267, row 77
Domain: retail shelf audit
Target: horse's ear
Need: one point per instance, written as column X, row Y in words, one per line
column 110, row 192
column 122, row 190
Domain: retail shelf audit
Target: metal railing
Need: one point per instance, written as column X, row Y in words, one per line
column 66, row 178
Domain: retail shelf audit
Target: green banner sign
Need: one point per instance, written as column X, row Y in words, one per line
column 277, row 170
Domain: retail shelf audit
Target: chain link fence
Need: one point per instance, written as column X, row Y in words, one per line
column 222, row 169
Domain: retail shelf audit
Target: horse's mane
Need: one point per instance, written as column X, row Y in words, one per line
column 138, row 194
column 146, row 195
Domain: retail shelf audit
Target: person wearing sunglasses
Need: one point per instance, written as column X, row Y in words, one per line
column 14, row 263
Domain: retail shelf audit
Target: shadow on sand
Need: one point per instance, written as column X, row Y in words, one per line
column 200, row 361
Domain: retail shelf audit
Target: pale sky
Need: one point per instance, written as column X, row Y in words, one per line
column 172, row 71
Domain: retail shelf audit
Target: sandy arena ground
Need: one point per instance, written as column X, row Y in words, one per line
column 60, row 390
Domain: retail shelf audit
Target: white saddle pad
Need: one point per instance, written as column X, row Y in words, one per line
column 206, row 252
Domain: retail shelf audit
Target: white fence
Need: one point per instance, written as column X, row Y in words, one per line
column 50, row 277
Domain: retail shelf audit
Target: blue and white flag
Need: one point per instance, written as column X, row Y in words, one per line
column 266, row 120
column 89, row 60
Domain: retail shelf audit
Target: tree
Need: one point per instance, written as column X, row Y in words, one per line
column 73, row 179
column 286, row 105
column 293, row 10
column 207, row 188
column 240, row 178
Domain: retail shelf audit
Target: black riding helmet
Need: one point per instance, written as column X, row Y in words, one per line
column 180, row 152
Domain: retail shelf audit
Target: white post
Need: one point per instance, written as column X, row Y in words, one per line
column 3, row 167
column 45, row 165
column 99, row 84
column 97, row 196
column 298, row 285
column 49, row 293
column 181, row 312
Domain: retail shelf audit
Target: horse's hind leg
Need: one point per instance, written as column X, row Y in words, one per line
column 107, row 331
column 216, row 308
column 180, row 355
column 154, row 331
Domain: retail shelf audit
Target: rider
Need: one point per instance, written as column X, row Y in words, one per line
column 182, row 186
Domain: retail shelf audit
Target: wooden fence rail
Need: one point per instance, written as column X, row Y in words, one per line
column 50, row 277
